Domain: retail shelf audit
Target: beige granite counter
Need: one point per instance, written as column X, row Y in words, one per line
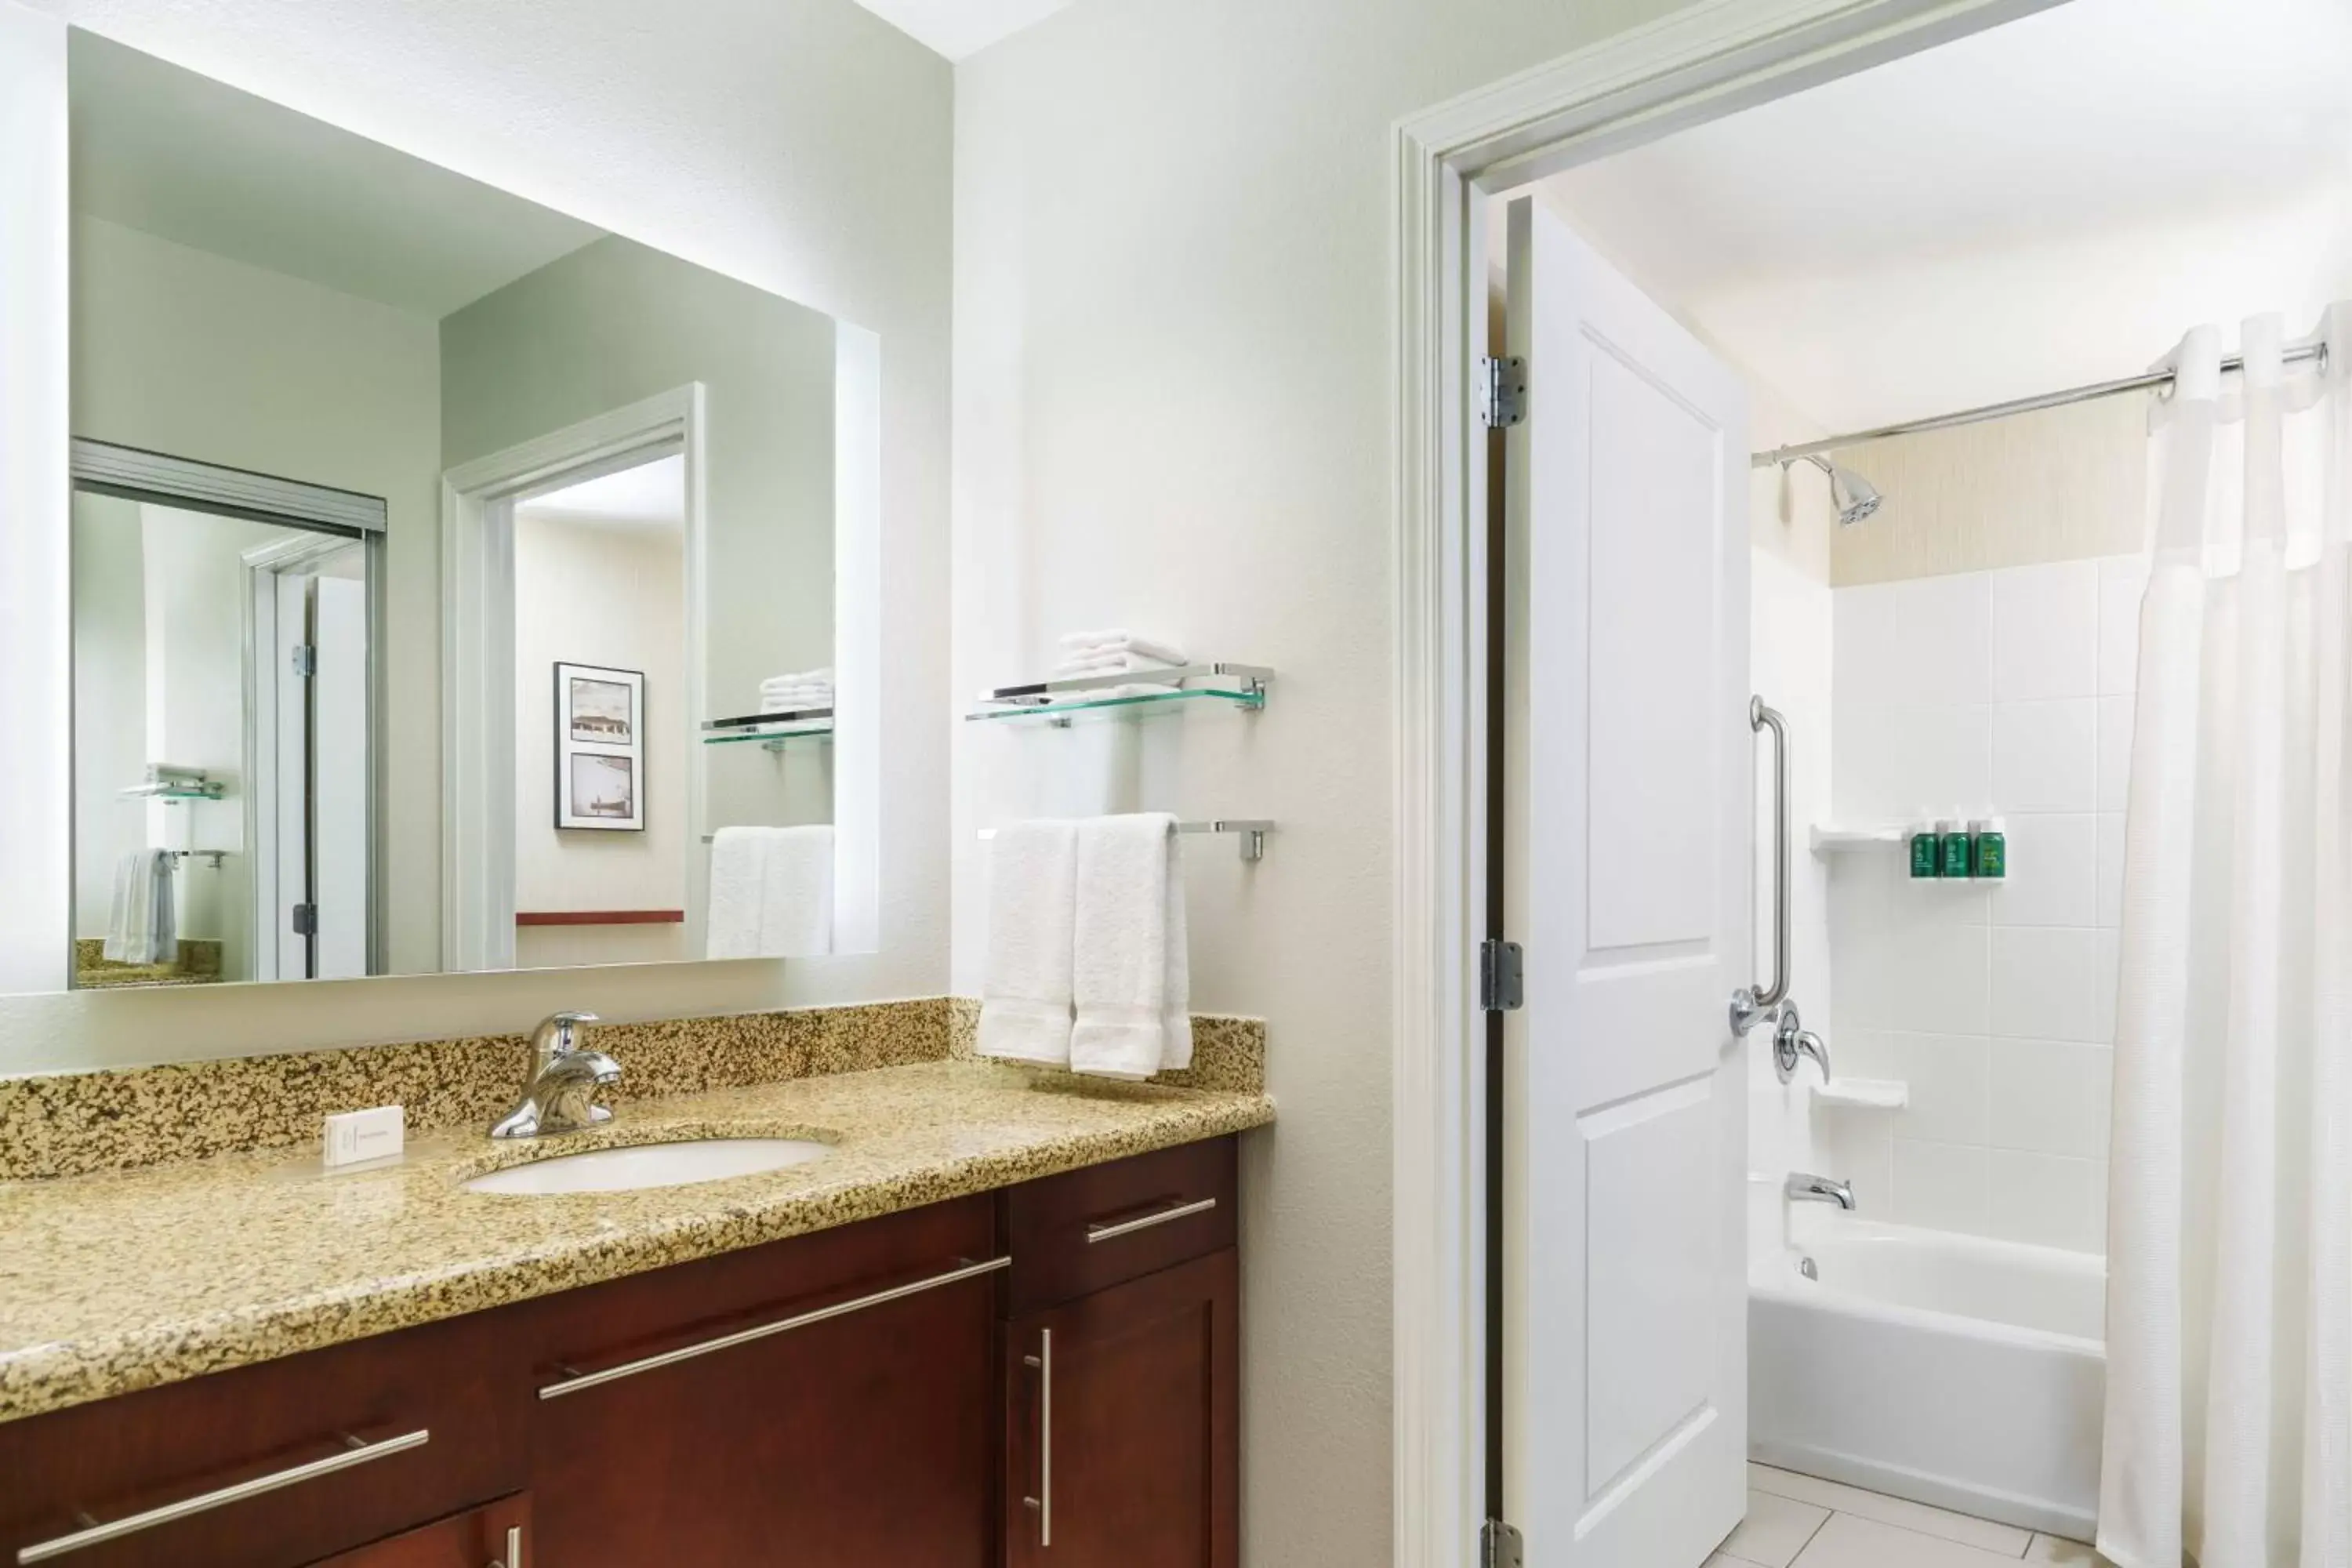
column 120, row 1280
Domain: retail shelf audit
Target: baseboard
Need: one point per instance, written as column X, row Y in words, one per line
column 1936, row 1491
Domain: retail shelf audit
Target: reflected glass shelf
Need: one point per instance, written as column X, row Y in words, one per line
column 1242, row 685
column 170, row 793
column 773, row 731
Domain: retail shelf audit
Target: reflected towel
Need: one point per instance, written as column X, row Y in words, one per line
column 771, row 893
column 1082, row 646
column 142, row 925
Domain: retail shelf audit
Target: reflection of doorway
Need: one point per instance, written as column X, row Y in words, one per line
column 310, row 749
column 207, row 603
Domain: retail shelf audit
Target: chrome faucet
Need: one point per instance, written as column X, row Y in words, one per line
column 1802, row 1188
column 1792, row 1042
column 563, row 1076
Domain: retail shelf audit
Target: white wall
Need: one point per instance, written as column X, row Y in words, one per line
column 805, row 148
column 1172, row 394
column 587, row 594
column 2005, row 691
column 110, row 699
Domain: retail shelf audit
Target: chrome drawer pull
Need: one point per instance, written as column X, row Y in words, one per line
column 354, row 1452
column 514, row 1548
column 1042, row 1505
column 784, row 1325
column 1129, row 1227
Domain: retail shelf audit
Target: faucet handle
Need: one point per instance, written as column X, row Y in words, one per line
column 556, row 1036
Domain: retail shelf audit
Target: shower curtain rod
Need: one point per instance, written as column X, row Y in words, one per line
column 2316, row 349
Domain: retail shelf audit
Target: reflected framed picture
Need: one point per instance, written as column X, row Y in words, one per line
column 600, row 748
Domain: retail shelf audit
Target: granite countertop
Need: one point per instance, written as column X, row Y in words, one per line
column 118, row 1281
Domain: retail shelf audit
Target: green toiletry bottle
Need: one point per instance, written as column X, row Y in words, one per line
column 1926, row 851
column 1955, row 848
column 1991, row 847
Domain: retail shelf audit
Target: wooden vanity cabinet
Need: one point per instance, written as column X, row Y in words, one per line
column 1041, row 1377
column 845, row 1441
column 498, row 1535
column 1122, row 1365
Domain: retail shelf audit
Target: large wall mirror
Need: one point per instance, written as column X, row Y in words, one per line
column 454, row 586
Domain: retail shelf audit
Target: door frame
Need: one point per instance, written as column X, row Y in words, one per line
column 264, row 564
column 1700, row 63
column 478, row 669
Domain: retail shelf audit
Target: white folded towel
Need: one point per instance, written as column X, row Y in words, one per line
column 1130, row 977
column 1024, row 995
column 1108, row 664
column 795, row 701
column 1118, row 639
column 142, row 925
column 800, row 678
column 771, row 893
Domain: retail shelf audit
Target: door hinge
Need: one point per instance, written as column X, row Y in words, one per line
column 306, row 660
column 1502, row 976
column 1502, row 391
column 1499, row 1545
column 305, row 920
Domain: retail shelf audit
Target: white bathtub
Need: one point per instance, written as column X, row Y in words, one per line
column 1951, row 1370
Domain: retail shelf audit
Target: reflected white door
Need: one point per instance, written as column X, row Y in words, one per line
column 289, row 840
column 1627, row 1309
column 339, row 777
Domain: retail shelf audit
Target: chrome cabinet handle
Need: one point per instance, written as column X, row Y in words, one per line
column 1128, row 1227
column 1042, row 1505
column 355, row 1452
column 1751, row 1005
column 574, row 1383
column 514, row 1549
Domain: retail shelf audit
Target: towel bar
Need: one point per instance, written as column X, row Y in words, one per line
column 1252, row 829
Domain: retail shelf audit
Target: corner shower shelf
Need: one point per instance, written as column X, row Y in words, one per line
column 1842, row 840
column 773, row 731
column 1242, row 685
column 1864, row 1094
column 1252, row 830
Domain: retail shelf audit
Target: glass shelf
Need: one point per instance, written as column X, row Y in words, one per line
column 169, row 793
column 1242, row 685
column 770, row 729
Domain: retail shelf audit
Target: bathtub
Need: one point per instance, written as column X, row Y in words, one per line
column 1954, row 1371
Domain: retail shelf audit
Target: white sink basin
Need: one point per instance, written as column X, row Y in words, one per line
column 651, row 1165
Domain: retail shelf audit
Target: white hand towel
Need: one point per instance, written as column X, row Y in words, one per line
column 795, row 703
column 796, row 893
column 1118, row 639
column 738, row 870
column 1130, row 980
column 1025, row 996
column 143, row 924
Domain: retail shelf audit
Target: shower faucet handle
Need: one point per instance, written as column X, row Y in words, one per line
column 1792, row 1042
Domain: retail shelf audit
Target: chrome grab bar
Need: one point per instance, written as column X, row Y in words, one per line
column 579, row 1381
column 1129, row 1228
column 1750, row 1006
column 1042, row 1505
column 355, row 1452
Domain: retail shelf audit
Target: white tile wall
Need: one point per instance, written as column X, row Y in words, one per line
column 2000, row 693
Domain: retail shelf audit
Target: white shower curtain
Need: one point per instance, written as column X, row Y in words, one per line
column 2229, row 1412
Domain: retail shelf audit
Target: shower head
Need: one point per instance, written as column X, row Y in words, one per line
column 1855, row 496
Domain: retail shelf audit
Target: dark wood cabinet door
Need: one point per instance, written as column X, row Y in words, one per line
column 1122, row 1413
column 495, row 1536
column 859, row 1440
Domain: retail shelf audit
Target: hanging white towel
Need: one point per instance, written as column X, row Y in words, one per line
column 796, row 893
column 739, row 870
column 1129, row 976
column 771, row 893
column 142, row 925
column 1024, row 998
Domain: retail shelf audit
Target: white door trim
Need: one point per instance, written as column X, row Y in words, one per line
column 1696, row 64
column 477, row 680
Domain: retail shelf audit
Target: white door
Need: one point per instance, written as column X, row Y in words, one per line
column 290, row 837
column 340, row 776
column 1627, row 487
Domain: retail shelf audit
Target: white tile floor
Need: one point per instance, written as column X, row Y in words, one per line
column 1798, row 1521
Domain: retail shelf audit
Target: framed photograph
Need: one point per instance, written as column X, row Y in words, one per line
column 600, row 748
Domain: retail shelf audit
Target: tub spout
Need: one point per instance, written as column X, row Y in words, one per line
column 1804, row 1188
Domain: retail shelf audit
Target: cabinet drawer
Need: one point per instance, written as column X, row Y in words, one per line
column 1076, row 1233
column 274, row 1465
column 498, row 1535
